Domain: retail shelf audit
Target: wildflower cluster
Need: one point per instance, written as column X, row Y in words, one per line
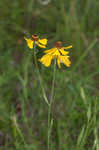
column 57, row 52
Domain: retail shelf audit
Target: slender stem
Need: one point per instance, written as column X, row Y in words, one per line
column 22, row 137
column 50, row 106
column 53, row 82
column 44, row 95
column 16, row 127
column 38, row 72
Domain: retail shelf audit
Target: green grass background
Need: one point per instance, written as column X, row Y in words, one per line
column 23, row 111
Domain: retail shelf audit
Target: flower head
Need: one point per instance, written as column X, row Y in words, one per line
column 57, row 52
column 35, row 39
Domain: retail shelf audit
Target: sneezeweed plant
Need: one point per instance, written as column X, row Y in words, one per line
column 57, row 52
column 36, row 40
column 32, row 43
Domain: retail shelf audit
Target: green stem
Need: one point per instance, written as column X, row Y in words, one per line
column 38, row 72
column 50, row 106
column 18, row 130
column 22, row 137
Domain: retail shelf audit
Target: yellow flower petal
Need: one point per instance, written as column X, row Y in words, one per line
column 63, row 52
column 67, row 47
column 29, row 43
column 65, row 60
column 56, row 53
column 46, row 60
column 40, row 45
column 50, row 51
column 43, row 41
column 58, row 62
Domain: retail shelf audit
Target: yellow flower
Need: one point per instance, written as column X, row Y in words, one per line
column 35, row 39
column 46, row 60
column 57, row 52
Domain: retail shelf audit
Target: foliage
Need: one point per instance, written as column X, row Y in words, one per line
column 23, row 112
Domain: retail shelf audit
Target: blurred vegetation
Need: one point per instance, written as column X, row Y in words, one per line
column 23, row 112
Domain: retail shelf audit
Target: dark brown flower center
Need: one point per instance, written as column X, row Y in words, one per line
column 58, row 44
column 35, row 37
